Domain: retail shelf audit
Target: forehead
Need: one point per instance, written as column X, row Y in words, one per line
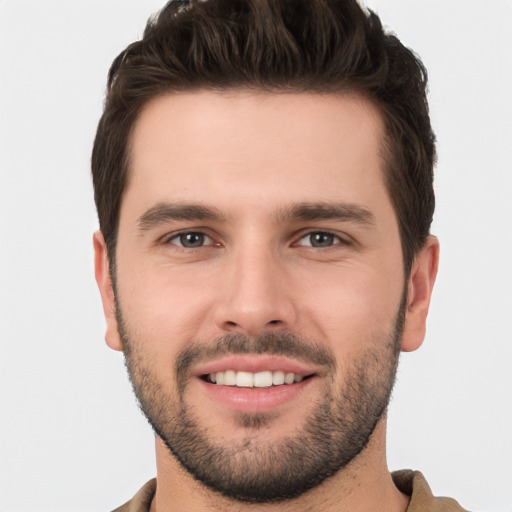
column 236, row 147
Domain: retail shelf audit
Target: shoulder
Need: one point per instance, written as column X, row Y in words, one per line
column 414, row 484
column 141, row 502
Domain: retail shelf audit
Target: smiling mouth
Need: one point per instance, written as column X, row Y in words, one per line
column 259, row 380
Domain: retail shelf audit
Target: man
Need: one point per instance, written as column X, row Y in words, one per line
column 263, row 179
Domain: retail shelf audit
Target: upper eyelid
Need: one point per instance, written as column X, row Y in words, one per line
column 201, row 231
column 176, row 235
column 341, row 236
column 324, row 231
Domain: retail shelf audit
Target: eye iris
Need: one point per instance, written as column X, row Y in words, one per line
column 321, row 239
column 192, row 239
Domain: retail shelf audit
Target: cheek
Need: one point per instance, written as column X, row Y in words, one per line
column 353, row 307
column 163, row 307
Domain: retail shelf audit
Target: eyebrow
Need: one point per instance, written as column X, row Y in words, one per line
column 327, row 211
column 166, row 212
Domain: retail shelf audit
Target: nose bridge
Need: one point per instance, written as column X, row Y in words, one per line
column 255, row 295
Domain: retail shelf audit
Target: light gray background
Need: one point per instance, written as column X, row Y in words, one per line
column 71, row 436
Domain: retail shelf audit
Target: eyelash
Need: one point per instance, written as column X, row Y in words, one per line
column 337, row 240
column 178, row 236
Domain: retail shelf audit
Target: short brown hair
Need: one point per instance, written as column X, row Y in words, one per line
column 323, row 46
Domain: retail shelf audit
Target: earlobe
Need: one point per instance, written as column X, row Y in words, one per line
column 419, row 291
column 103, row 279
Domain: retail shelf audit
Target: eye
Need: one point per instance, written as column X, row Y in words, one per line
column 191, row 240
column 319, row 239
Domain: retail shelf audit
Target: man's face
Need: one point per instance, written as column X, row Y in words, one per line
column 257, row 243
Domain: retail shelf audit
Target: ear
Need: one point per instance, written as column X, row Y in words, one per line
column 419, row 290
column 102, row 274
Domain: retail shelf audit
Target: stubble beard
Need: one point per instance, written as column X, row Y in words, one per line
column 253, row 470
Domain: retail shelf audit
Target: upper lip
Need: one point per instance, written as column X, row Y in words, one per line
column 254, row 363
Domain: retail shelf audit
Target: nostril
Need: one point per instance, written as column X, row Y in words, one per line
column 251, row 328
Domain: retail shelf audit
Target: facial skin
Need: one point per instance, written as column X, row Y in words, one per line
column 256, row 234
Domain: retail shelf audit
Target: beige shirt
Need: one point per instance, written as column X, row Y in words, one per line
column 411, row 483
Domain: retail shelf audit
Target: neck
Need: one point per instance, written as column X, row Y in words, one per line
column 365, row 484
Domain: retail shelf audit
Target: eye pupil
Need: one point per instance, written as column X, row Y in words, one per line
column 192, row 239
column 321, row 239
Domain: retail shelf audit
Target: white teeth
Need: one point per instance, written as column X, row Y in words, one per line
column 254, row 380
column 263, row 380
column 229, row 378
column 278, row 378
column 244, row 379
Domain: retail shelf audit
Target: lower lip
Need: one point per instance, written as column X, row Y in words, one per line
column 255, row 400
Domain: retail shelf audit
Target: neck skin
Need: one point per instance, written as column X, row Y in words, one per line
column 364, row 485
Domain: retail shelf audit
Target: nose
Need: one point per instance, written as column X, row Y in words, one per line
column 255, row 294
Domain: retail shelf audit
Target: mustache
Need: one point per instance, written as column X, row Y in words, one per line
column 287, row 345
